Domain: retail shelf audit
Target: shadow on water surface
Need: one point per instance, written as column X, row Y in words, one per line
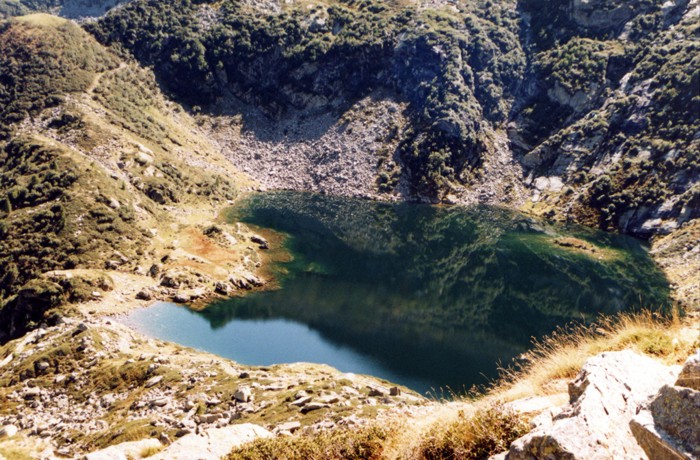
column 436, row 295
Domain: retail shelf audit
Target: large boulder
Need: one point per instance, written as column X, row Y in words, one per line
column 603, row 399
column 668, row 427
column 124, row 450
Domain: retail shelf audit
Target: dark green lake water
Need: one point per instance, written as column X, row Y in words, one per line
column 430, row 297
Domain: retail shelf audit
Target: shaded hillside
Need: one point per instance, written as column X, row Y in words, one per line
column 600, row 98
column 609, row 134
column 74, row 9
column 456, row 69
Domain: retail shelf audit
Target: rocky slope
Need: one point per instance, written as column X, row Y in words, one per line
column 83, row 386
column 103, row 174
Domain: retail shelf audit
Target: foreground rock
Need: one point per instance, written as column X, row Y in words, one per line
column 212, row 443
column 603, row 399
column 125, row 450
column 668, row 426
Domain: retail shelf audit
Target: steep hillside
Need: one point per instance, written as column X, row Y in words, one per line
column 628, row 154
column 454, row 70
column 98, row 171
column 74, row 9
column 600, row 99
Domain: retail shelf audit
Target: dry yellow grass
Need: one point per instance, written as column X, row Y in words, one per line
column 562, row 354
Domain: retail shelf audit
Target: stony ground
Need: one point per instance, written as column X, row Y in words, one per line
column 89, row 383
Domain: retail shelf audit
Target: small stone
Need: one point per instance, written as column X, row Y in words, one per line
column 243, row 394
column 112, row 265
column 330, row 399
column 290, row 427
column 32, row 393
column 260, row 241
column 181, row 298
column 377, row 391
column 690, row 375
column 312, row 406
column 208, row 418
column 243, row 375
column 182, row 432
column 144, row 294
column 221, row 288
column 154, row 270
column 394, row 391
column 153, row 381
column 8, row 431
column 159, row 402
column 299, row 402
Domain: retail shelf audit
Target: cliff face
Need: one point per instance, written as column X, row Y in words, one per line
column 623, row 149
column 599, row 98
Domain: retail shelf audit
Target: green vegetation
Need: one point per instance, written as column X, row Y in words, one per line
column 42, row 58
column 48, row 227
column 9, row 8
column 455, row 68
column 577, row 65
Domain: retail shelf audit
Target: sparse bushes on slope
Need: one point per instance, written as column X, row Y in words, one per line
column 41, row 59
column 58, row 220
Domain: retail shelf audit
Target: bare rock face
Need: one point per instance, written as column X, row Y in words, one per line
column 668, row 427
column 603, row 399
column 601, row 14
column 676, row 411
column 690, row 375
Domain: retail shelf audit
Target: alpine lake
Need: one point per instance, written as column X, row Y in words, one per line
column 433, row 298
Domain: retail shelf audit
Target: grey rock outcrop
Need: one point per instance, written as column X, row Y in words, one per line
column 603, row 399
column 668, row 426
column 690, row 375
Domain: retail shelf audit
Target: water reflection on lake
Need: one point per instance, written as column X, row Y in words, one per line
column 424, row 296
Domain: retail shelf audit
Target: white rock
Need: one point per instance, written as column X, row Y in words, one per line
column 8, row 431
column 243, row 394
column 603, row 399
column 153, row 381
column 124, row 450
column 214, row 443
